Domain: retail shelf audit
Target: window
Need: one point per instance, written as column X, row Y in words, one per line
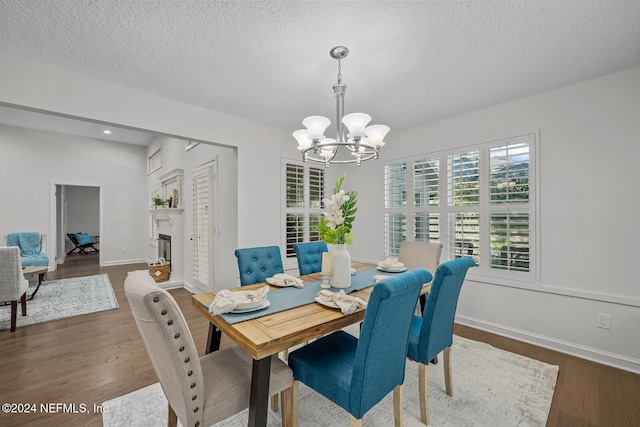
column 477, row 202
column 303, row 194
column 154, row 162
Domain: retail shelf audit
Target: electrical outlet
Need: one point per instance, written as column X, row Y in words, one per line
column 604, row 321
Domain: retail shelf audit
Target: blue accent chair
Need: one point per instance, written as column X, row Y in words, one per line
column 256, row 264
column 433, row 332
column 30, row 248
column 309, row 256
column 357, row 373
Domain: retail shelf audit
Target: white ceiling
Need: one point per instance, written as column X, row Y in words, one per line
column 268, row 61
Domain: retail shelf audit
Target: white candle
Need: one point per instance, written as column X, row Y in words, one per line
column 327, row 262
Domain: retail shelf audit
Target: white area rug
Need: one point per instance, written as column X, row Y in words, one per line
column 491, row 387
column 59, row 299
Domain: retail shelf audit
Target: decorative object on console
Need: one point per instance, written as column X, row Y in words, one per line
column 363, row 143
column 334, row 228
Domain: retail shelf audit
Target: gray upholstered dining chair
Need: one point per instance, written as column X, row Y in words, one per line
column 433, row 332
column 420, row 255
column 13, row 285
column 201, row 391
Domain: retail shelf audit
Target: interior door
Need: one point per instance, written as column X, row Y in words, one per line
column 202, row 233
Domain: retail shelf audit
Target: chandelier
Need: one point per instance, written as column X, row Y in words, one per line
column 361, row 143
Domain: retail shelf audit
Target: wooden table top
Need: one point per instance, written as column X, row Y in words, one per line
column 37, row 269
column 270, row 334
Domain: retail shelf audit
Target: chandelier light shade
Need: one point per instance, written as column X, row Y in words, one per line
column 361, row 143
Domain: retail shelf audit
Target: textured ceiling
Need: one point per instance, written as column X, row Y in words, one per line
column 268, row 61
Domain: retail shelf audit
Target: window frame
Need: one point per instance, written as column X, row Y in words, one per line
column 484, row 272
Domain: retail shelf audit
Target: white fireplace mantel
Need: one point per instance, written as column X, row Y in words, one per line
column 170, row 221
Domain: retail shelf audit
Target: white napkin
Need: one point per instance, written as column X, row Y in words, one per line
column 380, row 277
column 284, row 280
column 391, row 262
column 226, row 301
column 347, row 303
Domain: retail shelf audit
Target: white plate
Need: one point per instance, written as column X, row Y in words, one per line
column 327, row 303
column 250, row 305
column 392, row 269
column 263, row 304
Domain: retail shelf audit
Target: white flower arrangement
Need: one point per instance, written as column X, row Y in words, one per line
column 335, row 225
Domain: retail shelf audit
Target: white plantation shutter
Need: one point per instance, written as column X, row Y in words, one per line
column 478, row 202
column 509, row 189
column 201, row 184
column 303, row 194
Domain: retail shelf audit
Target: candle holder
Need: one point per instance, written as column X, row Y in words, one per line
column 327, row 267
column 325, row 281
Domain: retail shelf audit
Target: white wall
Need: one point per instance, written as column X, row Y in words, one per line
column 589, row 209
column 258, row 147
column 33, row 162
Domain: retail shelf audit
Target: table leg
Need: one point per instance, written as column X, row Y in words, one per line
column 40, row 277
column 213, row 339
column 259, row 397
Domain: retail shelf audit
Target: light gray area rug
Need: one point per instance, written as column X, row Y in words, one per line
column 60, row 299
column 491, row 387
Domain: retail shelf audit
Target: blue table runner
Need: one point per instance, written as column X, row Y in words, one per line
column 291, row 297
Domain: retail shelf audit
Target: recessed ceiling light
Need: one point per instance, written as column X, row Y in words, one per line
column 106, row 131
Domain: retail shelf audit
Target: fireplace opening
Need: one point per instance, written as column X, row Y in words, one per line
column 164, row 247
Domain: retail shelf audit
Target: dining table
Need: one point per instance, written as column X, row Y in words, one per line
column 263, row 335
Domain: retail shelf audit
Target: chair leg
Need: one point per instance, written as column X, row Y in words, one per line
column 295, row 395
column 287, row 408
column 424, row 392
column 274, row 403
column 448, row 384
column 23, row 302
column 14, row 315
column 172, row 421
column 398, row 419
column 353, row 422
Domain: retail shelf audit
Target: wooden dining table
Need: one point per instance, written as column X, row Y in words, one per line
column 265, row 336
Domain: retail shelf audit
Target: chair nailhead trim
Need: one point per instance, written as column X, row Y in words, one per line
column 193, row 385
column 194, row 397
column 176, row 336
column 181, row 348
column 197, row 423
column 186, row 360
column 170, row 322
column 195, row 409
column 156, row 299
column 163, row 312
column 189, row 373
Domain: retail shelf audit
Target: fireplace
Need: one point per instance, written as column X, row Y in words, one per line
column 164, row 247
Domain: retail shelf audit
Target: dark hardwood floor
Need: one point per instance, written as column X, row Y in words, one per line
column 96, row 357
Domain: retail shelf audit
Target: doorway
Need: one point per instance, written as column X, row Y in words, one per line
column 77, row 211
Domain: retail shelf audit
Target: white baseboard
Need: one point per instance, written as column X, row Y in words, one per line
column 583, row 352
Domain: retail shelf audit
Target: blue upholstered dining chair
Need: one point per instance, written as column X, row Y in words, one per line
column 357, row 373
column 256, row 264
column 309, row 256
column 30, row 244
column 433, row 332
